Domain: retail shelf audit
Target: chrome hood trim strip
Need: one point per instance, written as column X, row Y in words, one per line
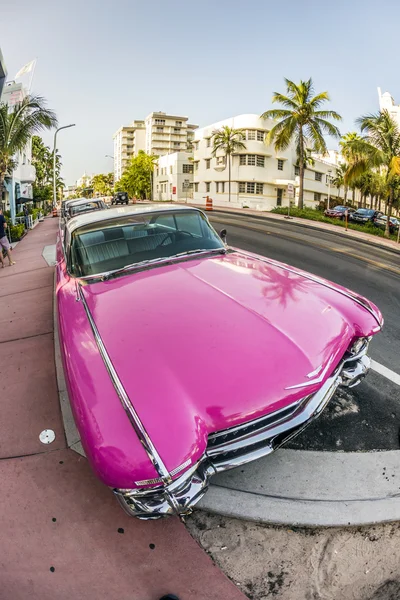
column 316, row 279
column 137, row 424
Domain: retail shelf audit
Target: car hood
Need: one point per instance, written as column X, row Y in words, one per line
column 203, row 345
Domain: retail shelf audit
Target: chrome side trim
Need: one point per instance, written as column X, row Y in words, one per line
column 125, row 401
column 316, row 279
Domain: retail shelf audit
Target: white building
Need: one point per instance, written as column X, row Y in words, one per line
column 127, row 143
column 168, row 133
column 386, row 102
column 18, row 187
column 259, row 176
column 173, row 177
column 84, row 181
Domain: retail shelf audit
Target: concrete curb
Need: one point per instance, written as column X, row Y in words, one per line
column 308, row 225
column 307, row 488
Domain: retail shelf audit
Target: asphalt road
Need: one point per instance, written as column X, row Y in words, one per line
column 367, row 417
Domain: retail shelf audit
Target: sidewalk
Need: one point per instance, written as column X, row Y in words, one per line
column 63, row 534
column 365, row 238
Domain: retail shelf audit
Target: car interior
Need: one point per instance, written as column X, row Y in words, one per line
column 113, row 246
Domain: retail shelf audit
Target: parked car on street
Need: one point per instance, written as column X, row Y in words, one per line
column 185, row 357
column 120, row 198
column 365, row 215
column 339, row 212
column 83, row 206
column 382, row 220
column 66, row 203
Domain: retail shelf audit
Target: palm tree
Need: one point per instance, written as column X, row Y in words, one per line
column 301, row 121
column 379, row 148
column 228, row 141
column 17, row 127
column 347, row 153
column 338, row 181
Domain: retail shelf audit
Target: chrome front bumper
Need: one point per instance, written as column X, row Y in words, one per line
column 179, row 497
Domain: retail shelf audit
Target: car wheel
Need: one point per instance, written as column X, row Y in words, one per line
column 127, row 202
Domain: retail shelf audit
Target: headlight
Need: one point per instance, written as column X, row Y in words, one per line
column 359, row 345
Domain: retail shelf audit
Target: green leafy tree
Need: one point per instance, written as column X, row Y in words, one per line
column 301, row 121
column 228, row 141
column 136, row 180
column 378, row 149
column 102, row 184
column 17, row 127
column 42, row 159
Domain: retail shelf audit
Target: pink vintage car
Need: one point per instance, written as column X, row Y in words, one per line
column 185, row 357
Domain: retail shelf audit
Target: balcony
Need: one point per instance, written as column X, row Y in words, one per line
column 25, row 173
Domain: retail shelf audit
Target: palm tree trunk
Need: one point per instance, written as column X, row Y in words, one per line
column 301, row 169
column 346, row 189
column 229, row 177
column 389, row 211
column 353, row 196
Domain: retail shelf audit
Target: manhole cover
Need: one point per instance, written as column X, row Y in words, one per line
column 47, row 436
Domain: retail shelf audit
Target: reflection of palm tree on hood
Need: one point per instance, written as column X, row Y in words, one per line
column 282, row 286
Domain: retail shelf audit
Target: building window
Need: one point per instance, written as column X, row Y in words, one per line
column 177, row 130
column 160, row 129
column 196, row 145
column 280, row 164
column 208, row 163
column 296, row 171
column 196, row 166
column 251, row 135
column 279, row 194
column 188, row 187
column 208, row 144
column 251, row 160
column 208, row 186
column 220, row 160
column 170, row 169
column 242, row 158
column 260, row 161
column 160, row 121
column 250, row 187
column 317, row 197
column 178, row 123
column 176, row 144
column 187, row 168
column 170, row 188
column 259, row 188
column 156, row 172
column 242, row 187
column 318, row 176
column 196, row 186
column 220, row 187
column 260, row 136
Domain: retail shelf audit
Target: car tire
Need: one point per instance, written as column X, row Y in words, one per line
column 127, row 202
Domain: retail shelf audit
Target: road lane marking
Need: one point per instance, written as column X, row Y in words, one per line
column 388, row 373
column 347, row 252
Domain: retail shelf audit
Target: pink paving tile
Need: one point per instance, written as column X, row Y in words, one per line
column 27, row 314
column 91, row 559
column 30, row 280
column 29, row 397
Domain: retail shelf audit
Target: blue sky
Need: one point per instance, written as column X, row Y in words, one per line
column 103, row 64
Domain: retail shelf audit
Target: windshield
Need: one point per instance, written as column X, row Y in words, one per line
column 339, row 208
column 78, row 209
column 130, row 239
column 365, row 212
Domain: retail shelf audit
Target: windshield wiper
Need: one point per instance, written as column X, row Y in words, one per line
column 154, row 261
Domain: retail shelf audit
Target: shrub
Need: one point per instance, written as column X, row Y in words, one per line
column 17, row 231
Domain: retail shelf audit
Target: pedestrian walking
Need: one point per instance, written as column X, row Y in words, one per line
column 4, row 243
column 26, row 215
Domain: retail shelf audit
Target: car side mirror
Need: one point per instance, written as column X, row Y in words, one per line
column 222, row 235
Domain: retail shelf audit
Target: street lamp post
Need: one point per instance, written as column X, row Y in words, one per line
column 54, row 162
column 329, row 186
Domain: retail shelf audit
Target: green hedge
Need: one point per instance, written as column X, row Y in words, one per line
column 17, row 231
column 317, row 215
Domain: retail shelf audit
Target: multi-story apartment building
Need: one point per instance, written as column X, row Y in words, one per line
column 18, row 186
column 386, row 102
column 260, row 177
column 127, row 143
column 166, row 134
column 173, row 177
